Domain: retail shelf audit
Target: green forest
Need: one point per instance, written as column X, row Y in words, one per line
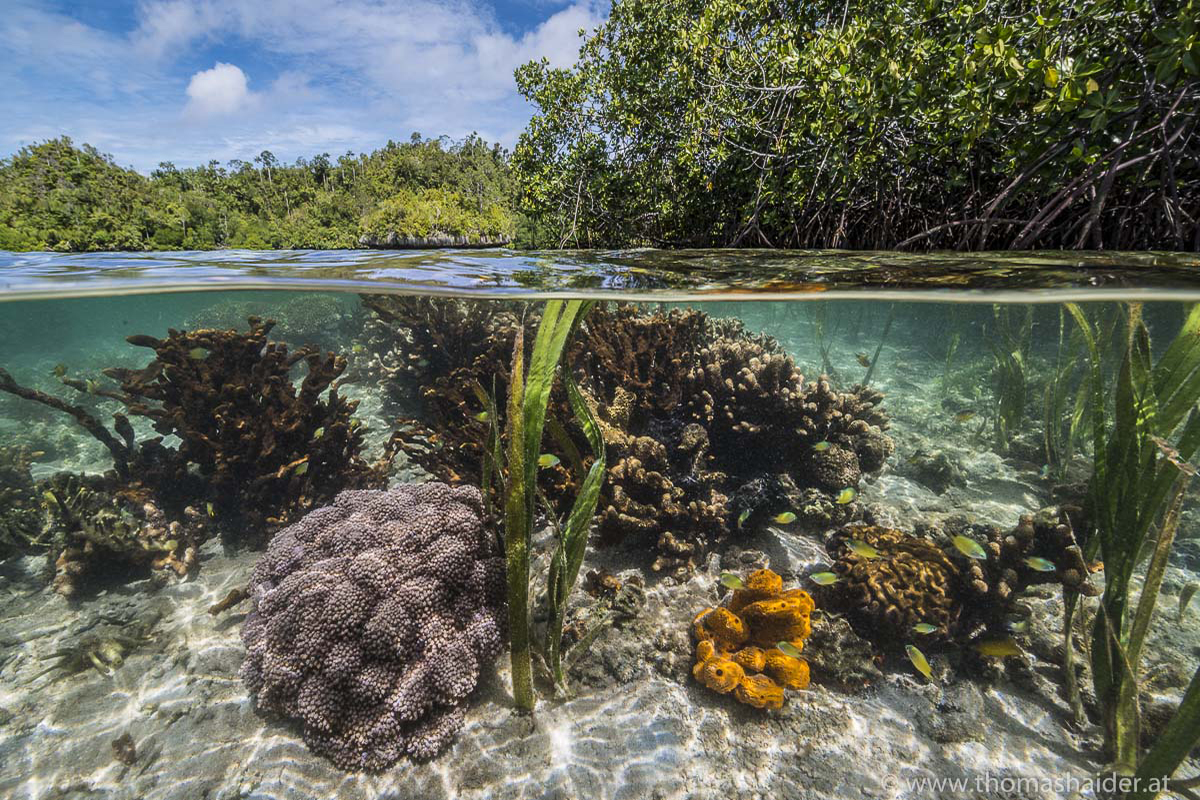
column 903, row 124
column 56, row 196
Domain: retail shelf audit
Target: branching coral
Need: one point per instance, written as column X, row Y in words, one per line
column 373, row 619
column 913, row 580
column 254, row 449
column 692, row 410
column 20, row 507
column 737, row 645
column 91, row 524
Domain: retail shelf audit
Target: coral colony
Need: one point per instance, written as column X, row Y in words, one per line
column 710, row 430
column 372, row 620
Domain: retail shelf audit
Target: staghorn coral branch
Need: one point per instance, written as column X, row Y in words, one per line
column 120, row 452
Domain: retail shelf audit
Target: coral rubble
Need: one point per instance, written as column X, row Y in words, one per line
column 709, row 429
column 373, row 619
column 911, row 579
column 737, row 645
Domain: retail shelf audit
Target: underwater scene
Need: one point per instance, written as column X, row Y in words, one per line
column 580, row 525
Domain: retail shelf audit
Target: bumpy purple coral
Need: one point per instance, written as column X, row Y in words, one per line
column 372, row 620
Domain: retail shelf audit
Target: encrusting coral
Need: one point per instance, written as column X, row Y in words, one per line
column 910, row 579
column 373, row 619
column 737, row 645
column 252, row 448
column 709, row 429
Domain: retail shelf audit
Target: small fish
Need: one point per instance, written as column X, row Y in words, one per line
column 546, row 460
column 1172, row 455
column 862, row 549
column 924, row 628
column 964, row 416
column 482, row 416
column 786, row 518
column 355, row 424
column 59, row 370
column 197, row 353
column 92, row 386
column 1019, row 626
column 997, row 648
column 821, row 447
column 731, row 581
column 212, row 512
column 1040, row 564
column 742, row 517
column 824, row 578
column 319, row 432
column 919, row 661
column 357, row 348
column 846, row 495
column 1185, row 597
column 969, row 548
column 422, row 362
column 863, row 359
column 788, row 649
column 302, row 469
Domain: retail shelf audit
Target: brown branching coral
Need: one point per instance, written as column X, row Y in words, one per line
column 266, row 449
column 691, row 409
column 737, row 645
column 254, row 449
column 915, row 580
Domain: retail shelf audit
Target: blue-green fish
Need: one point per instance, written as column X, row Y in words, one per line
column 786, row 518
column 731, row 581
column 742, row 517
column 969, row 548
column 1019, row 625
column 482, row 416
column 211, row 511
column 919, row 661
column 197, row 353
column 846, row 495
column 319, row 432
column 59, row 370
column 1040, row 564
column 302, row 468
column 788, row 649
column 547, row 460
column 862, row 549
column 821, row 447
column 925, row 628
column 357, row 348
column 824, row 578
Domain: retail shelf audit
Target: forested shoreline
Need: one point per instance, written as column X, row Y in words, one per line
column 888, row 124
column 59, row 196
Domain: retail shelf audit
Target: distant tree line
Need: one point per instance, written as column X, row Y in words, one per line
column 874, row 124
column 57, row 196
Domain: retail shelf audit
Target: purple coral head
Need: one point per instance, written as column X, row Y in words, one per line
column 373, row 619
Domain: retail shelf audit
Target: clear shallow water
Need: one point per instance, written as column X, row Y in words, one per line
column 638, row 724
column 627, row 275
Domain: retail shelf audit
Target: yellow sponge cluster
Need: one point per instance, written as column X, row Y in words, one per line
column 737, row 645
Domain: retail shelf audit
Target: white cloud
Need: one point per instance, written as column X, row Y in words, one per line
column 293, row 76
column 218, row 91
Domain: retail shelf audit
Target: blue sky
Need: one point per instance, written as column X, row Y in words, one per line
column 192, row 80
